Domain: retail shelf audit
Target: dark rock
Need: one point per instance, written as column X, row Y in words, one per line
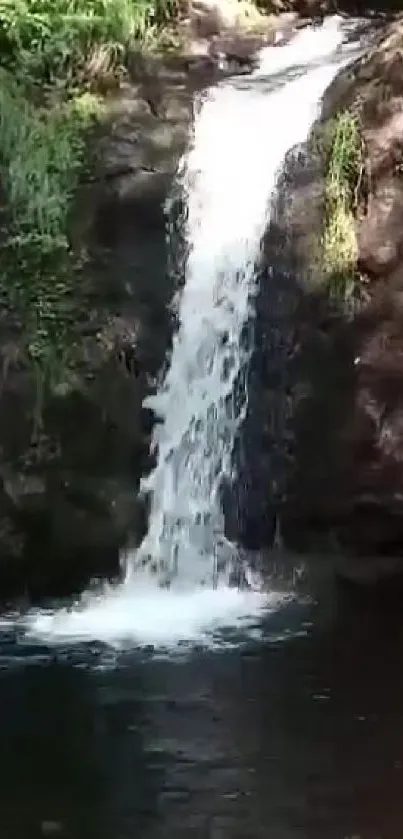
column 346, row 478
column 370, row 571
column 380, row 234
column 68, row 491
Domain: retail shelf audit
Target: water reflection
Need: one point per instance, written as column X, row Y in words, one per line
column 303, row 738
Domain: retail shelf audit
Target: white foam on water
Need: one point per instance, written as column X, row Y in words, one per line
column 155, row 617
column 243, row 129
column 311, row 45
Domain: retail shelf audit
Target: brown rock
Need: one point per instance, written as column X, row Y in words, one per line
column 385, row 142
column 349, row 428
column 380, row 234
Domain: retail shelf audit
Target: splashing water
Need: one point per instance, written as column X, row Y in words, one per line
column 243, row 129
column 242, row 132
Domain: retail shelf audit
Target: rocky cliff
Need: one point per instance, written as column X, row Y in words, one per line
column 348, row 477
column 68, row 491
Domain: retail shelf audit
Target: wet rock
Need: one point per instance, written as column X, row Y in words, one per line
column 380, row 234
column 376, row 431
column 373, row 431
column 68, row 491
column 347, row 475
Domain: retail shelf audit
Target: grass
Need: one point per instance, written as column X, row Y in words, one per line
column 56, row 41
column 343, row 181
column 42, row 152
column 55, row 57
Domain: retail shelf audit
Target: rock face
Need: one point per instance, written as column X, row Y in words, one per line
column 347, row 478
column 68, row 493
column 374, row 430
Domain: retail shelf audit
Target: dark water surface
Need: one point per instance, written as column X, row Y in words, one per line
column 300, row 737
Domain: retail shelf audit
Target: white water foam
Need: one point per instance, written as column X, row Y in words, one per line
column 151, row 616
column 243, row 129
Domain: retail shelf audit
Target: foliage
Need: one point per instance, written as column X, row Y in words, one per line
column 343, row 181
column 51, row 53
column 48, row 41
column 41, row 155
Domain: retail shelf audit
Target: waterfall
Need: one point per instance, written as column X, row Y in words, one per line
column 227, row 180
column 242, row 130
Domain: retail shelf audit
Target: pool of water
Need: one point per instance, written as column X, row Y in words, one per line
column 298, row 733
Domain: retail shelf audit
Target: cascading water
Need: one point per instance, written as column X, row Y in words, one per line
column 242, row 132
column 243, row 129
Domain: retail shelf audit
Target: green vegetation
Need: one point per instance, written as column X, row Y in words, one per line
column 42, row 151
column 66, row 41
column 55, row 58
column 343, row 181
